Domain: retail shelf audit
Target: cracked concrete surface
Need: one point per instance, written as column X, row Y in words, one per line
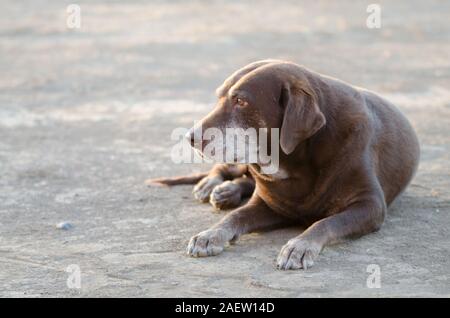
column 86, row 117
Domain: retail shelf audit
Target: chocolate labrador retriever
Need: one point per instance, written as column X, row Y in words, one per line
column 345, row 155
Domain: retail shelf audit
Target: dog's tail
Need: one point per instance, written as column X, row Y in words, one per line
column 191, row 179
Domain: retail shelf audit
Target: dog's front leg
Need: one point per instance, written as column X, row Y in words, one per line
column 358, row 219
column 253, row 216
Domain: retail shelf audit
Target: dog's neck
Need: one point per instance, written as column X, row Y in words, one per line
column 280, row 174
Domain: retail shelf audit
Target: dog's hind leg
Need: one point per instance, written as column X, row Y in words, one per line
column 231, row 193
column 208, row 181
column 218, row 175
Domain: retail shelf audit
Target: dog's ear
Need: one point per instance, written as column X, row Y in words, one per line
column 302, row 117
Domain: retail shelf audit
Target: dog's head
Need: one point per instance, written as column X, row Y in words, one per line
column 266, row 94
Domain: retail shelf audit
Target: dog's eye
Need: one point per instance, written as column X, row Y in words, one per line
column 241, row 103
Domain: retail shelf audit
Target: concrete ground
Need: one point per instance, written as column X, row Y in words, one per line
column 86, row 116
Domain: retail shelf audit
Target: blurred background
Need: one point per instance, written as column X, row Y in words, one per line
column 86, row 115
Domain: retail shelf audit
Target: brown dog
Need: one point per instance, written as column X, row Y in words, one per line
column 346, row 154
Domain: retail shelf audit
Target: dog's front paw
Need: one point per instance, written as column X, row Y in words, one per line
column 208, row 243
column 203, row 189
column 226, row 196
column 298, row 253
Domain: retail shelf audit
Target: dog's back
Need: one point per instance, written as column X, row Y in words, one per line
column 395, row 146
